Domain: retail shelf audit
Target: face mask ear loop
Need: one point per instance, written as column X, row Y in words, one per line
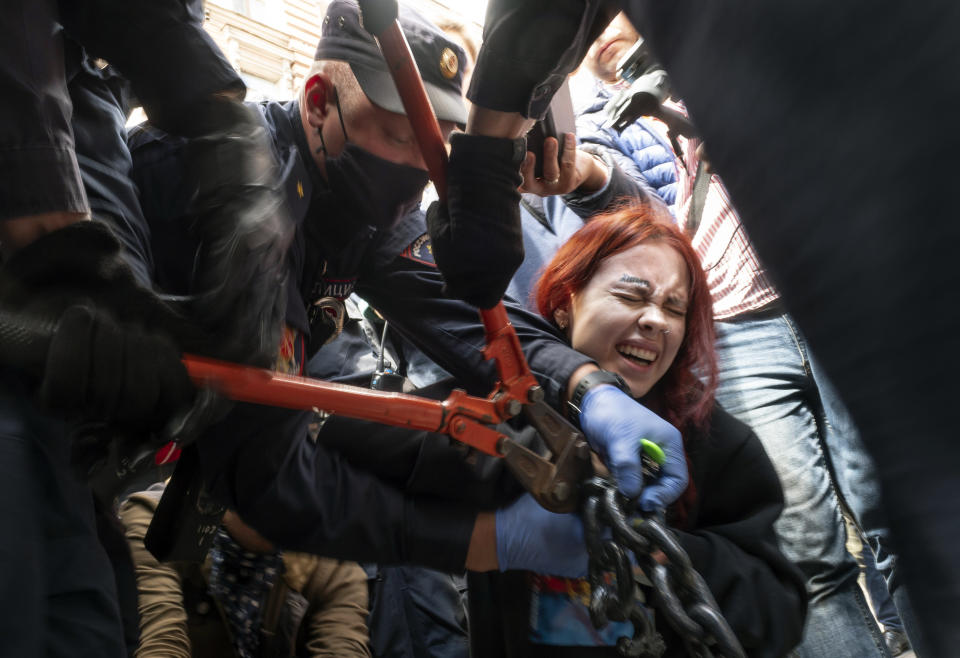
column 323, row 145
column 343, row 127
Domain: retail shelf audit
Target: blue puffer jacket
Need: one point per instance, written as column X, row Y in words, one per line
column 640, row 150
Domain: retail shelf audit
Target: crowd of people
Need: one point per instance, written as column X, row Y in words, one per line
column 150, row 517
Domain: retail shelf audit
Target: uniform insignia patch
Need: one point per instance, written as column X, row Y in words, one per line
column 420, row 250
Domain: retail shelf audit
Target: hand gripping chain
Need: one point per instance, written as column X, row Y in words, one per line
column 678, row 591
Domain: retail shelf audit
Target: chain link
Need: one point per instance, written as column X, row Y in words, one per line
column 679, row 592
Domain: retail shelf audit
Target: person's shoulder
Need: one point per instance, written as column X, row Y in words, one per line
column 592, row 111
column 409, row 238
column 274, row 113
column 731, row 455
column 722, row 422
column 281, row 120
column 147, row 138
column 727, row 435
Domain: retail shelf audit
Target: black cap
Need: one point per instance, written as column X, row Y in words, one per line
column 439, row 59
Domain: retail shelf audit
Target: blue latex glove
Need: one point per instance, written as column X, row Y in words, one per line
column 614, row 423
column 532, row 539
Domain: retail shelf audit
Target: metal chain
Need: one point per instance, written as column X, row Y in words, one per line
column 679, row 593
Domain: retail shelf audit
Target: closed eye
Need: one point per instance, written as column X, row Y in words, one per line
column 676, row 306
column 400, row 139
column 633, row 299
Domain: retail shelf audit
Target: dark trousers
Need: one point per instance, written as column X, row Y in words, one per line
column 57, row 588
column 416, row 613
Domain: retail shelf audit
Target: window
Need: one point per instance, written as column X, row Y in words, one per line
column 268, row 12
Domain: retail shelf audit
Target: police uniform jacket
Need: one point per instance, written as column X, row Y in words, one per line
column 292, row 490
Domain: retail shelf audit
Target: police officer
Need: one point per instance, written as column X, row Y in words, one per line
column 95, row 343
column 352, row 168
column 792, row 100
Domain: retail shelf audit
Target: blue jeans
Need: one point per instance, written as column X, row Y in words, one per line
column 57, row 590
column 883, row 605
column 769, row 380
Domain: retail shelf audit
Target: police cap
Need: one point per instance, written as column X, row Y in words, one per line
column 439, row 59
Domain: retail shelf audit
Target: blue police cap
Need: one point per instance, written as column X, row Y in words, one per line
column 439, row 59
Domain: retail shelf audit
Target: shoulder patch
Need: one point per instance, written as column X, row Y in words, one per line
column 420, row 250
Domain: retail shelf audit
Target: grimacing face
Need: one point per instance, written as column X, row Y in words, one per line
column 631, row 316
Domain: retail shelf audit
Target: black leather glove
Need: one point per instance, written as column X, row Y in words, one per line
column 477, row 238
column 73, row 315
column 84, row 263
column 244, row 230
column 97, row 368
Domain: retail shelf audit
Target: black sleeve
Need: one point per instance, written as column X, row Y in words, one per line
column 157, row 172
column 38, row 169
column 160, row 46
column 99, row 118
column 427, row 463
column 732, row 542
column 619, row 188
column 528, row 49
column 409, row 294
column 261, row 462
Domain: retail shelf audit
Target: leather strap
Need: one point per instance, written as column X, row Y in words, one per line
column 591, row 379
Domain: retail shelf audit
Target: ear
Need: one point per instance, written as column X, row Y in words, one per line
column 562, row 317
column 317, row 92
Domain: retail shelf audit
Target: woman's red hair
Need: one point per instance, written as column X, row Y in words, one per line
column 684, row 396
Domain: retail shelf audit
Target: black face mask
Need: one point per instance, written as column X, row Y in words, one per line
column 369, row 189
column 375, row 191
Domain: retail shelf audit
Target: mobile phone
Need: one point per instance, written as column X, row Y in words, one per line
column 558, row 120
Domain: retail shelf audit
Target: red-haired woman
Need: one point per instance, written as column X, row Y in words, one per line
column 630, row 293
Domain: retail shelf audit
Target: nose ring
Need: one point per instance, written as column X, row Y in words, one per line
column 665, row 331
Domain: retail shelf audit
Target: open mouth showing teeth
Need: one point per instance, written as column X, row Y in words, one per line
column 637, row 355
